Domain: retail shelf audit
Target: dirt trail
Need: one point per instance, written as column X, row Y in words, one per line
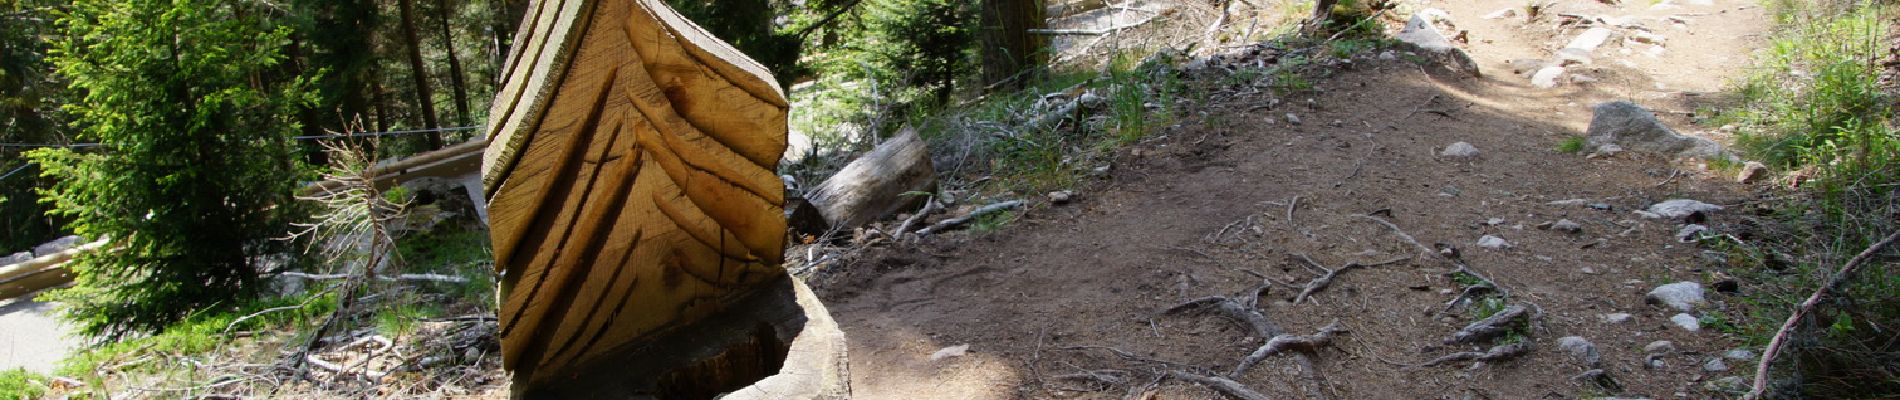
column 1030, row 300
column 31, row 337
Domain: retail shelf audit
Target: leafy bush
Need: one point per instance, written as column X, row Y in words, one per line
column 1816, row 105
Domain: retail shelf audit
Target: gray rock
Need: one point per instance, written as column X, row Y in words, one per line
column 57, row 245
column 1715, row 364
column 1460, row 150
column 1751, row 171
column 1727, row 384
column 1590, row 39
column 1061, row 196
column 16, row 258
column 1581, row 349
column 1631, row 126
column 1419, row 33
column 1686, row 322
column 1739, row 354
column 1547, row 78
column 1690, row 233
column 1682, row 296
column 1607, row 150
column 1678, row 208
column 1523, row 65
column 1660, row 347
column 1501, row 13
column 1567, row 226
column 1292, row 119
column 1616, row 318
column 1493, row 242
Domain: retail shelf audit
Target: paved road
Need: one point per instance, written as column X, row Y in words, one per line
column 31, row 338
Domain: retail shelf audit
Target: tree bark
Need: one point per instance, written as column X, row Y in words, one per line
column 1008, row 48
column 425, row 96
column 458, row 83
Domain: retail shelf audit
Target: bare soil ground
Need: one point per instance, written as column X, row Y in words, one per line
column 1046, row 295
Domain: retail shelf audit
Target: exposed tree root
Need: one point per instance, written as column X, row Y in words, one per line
column 1244, row 310
column 1288, row 342
column 1447, row 253
column 1223, row 385
column 1496, row 353
column 1490, row 327
column 1326, row 279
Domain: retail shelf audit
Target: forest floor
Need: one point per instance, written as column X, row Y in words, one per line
column 1240, row 194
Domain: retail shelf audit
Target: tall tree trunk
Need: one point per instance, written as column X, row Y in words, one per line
column 457, row 81
column 1009, row 50
column 425, row 98
column 380, row 103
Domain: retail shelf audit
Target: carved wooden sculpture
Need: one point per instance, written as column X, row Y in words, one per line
column 635, row 213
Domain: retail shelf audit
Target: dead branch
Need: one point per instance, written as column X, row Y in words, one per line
column 1489, row 327
column 234, row 323
column 1223, row 385
column 1496, row 353
column 1322, row 281
column 973, row 215
column 1834, row 285
column 931, row 206
column 1288, row 342
column 1453, row 258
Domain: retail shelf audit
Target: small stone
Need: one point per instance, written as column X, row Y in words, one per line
column 1608, row 150
column 1522, row 65
column 1727, row 384
column 1682, row 296
column 1715, row 365
column 1751, row 171
column 1681, row 208
column 1590, row 39
column 1646, row 37
column 1547, row 78
column 1388, row 55
column 1686, row 322
column 1589, row 271
column 1501, row 13
column 1739, row 355
column 1102, row 171
column 948, row 352
column 1567, row 226
column 1570, row 202
column 1494, row 221
column 1493, row 242
column 1460, row 150
column 1292, row 119
column 1617, row 318
column 1061, row 196
column 1581, row 349
column 1660, row 347
column 1654, row 361
column 1689, row 233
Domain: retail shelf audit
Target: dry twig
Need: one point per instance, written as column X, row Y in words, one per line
column 1320, row 283
column 1834, row 285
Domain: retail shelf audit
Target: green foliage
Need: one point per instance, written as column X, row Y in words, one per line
column 928, row 40
column 456, row 252
column 20, row 384
column 1814, row 103
column 195, row 177
column 199, row 333
column 1570, row 145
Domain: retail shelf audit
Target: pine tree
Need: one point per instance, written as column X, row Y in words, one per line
column 194, row 178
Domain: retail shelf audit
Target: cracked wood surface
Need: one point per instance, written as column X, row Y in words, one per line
column 631, row 178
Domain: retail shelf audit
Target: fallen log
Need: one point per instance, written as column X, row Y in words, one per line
column 878, row 184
